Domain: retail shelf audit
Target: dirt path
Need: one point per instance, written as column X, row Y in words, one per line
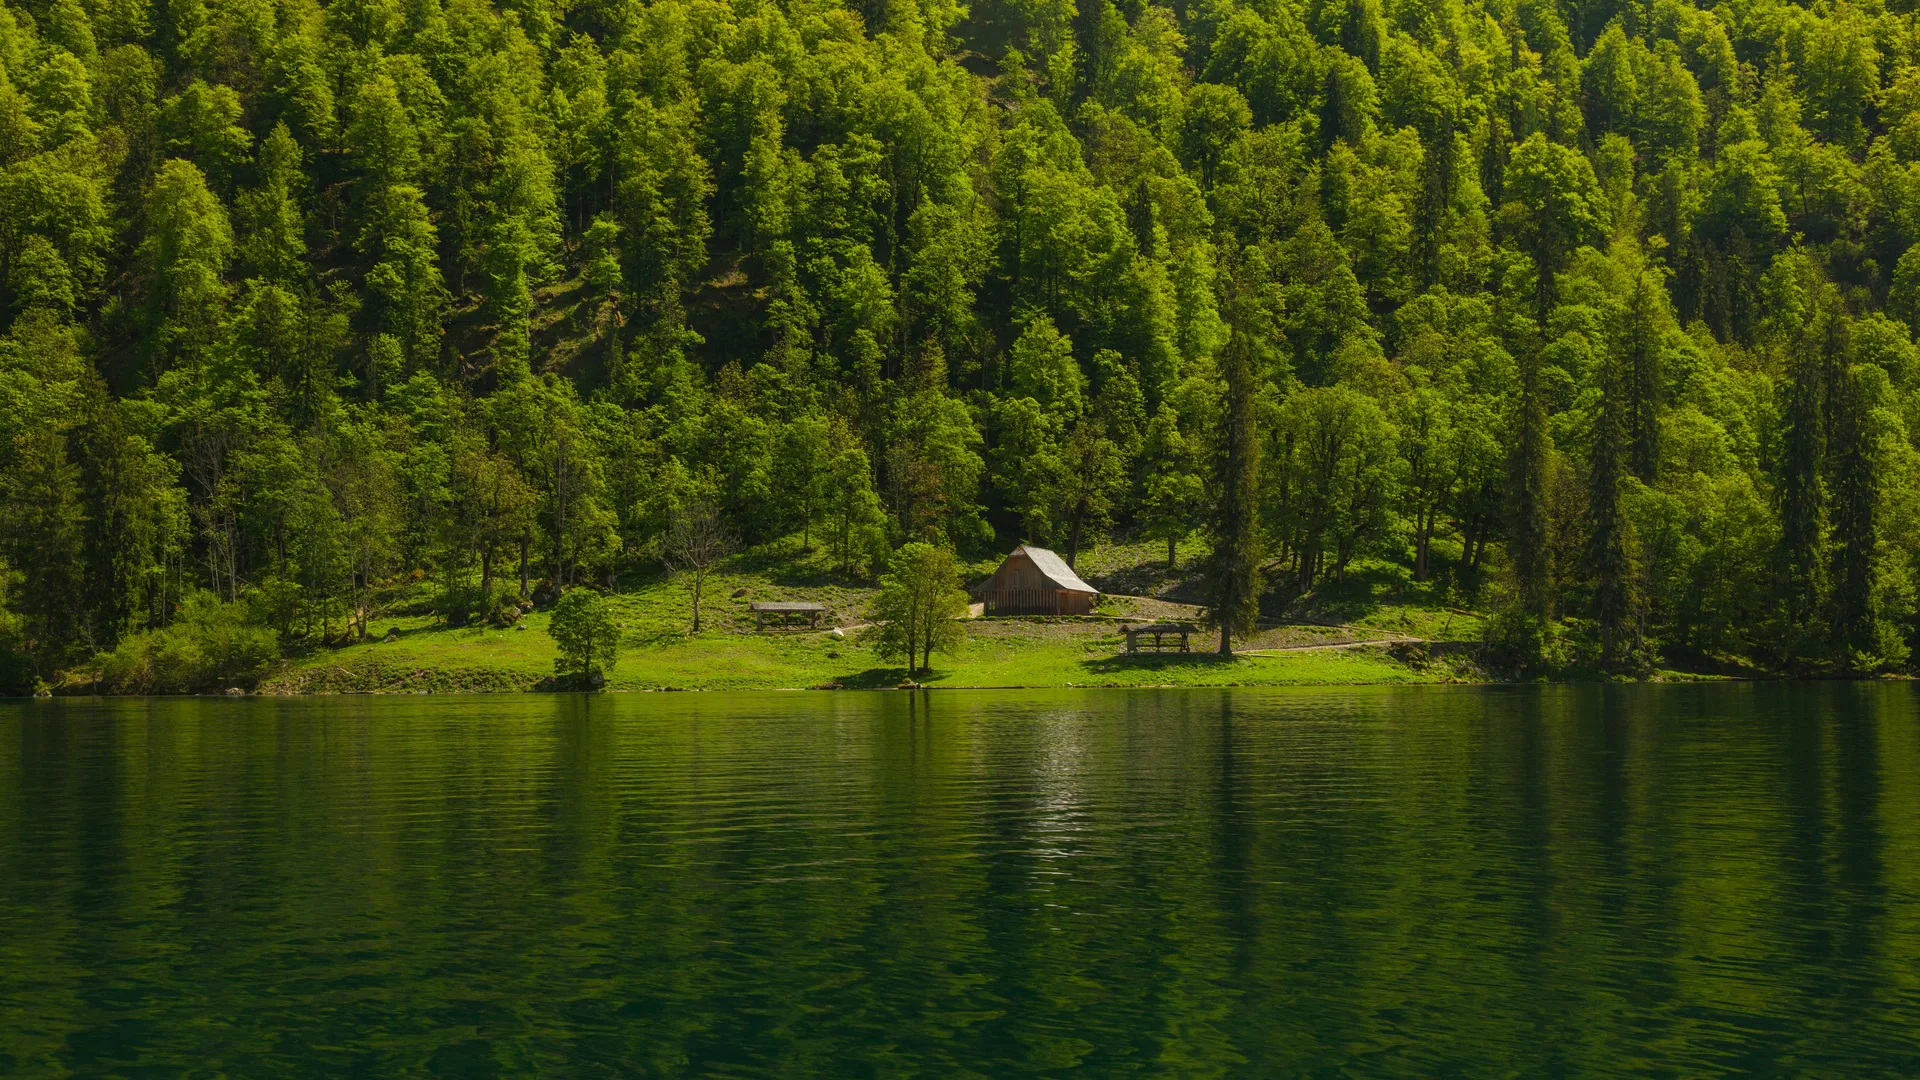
column 1337, row 645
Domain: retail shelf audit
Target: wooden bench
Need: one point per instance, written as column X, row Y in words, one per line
column 786, row 612
column 1159, row 633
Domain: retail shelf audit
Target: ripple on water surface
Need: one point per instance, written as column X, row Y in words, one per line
column 1663, row 881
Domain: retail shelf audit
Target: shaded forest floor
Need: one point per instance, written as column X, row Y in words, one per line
column 1376, row 628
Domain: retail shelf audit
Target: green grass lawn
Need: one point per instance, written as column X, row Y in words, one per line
column 658, row 651
column 494, row 660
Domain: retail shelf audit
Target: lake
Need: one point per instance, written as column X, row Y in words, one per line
column 1375, row 882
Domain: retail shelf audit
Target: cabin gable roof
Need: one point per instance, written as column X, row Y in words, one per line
column 1054, row 569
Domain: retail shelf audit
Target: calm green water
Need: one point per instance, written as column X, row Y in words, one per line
column 1382, row 882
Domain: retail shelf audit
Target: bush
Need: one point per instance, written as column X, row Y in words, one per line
column 1523, row 643
column 503, row 607
column 209, row 646
column 16, row 659
column 589, row 641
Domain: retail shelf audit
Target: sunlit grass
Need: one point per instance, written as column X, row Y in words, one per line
column 660, row 651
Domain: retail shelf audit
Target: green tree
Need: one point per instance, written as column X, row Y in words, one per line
column 1842, row 75
column 1556, row 206
column 1215, row 116
column 857, row 518
column 1041, row 366
column 46, row 529
column 272, row 227
column 919, row 607
column 802, row 472
column 1173, row 496
column 1528, row 623
column 201, row 124
column 1610, row 544
column 583, row 629
column 1336, row 479
column 403, row 279
column 188, row 241
column 1806, row 328
column 1233, row 569
column 1863, row 429
column 1090, row 476
column 1422, row 421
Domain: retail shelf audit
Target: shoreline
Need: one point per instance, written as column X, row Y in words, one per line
column 1664, row 679
column 923, row 688
column 1377, row 635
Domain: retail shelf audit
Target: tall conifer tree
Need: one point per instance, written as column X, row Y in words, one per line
column 1610, row 557
column 1233, row 573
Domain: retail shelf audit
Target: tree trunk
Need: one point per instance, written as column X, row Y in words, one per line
column 526, row 542
column 1173, row 561
column 1423, row 540
column 699, row 580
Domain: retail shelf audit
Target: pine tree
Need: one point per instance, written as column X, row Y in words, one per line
column 1859, row 635
column 125, row 488
column 1530, row 519
column 1801, row 489
column 46, row 523
column 273, row 230
column 1233, row 570
column 1610, row 557
column 1642, row 380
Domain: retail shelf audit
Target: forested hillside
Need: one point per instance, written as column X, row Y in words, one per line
column 1601, row 311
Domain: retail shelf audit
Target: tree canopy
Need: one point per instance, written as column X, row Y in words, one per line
column 1605, row 313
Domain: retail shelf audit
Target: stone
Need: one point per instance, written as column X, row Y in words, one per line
column 740, row 592
column 234, row 691
column 837, row 634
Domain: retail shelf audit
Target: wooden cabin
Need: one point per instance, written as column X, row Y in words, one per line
column 1035, row 581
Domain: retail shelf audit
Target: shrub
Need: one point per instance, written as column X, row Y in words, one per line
column 503, row 607
column 209, row 646
column 589, row 641
column 1523, row 643
column 16, row 659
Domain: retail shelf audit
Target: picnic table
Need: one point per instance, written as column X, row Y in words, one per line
column 1160, row 633
column 786, row 612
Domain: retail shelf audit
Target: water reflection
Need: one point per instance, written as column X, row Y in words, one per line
column 1383, row 882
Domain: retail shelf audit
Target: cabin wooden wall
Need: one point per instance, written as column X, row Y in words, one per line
column 1075, row 603
column 1019, row 588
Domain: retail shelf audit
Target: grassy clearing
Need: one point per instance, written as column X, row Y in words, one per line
column 1324, row 641
column 1014, row 654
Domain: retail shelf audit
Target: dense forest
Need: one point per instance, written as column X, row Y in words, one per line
column 1600, row 311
